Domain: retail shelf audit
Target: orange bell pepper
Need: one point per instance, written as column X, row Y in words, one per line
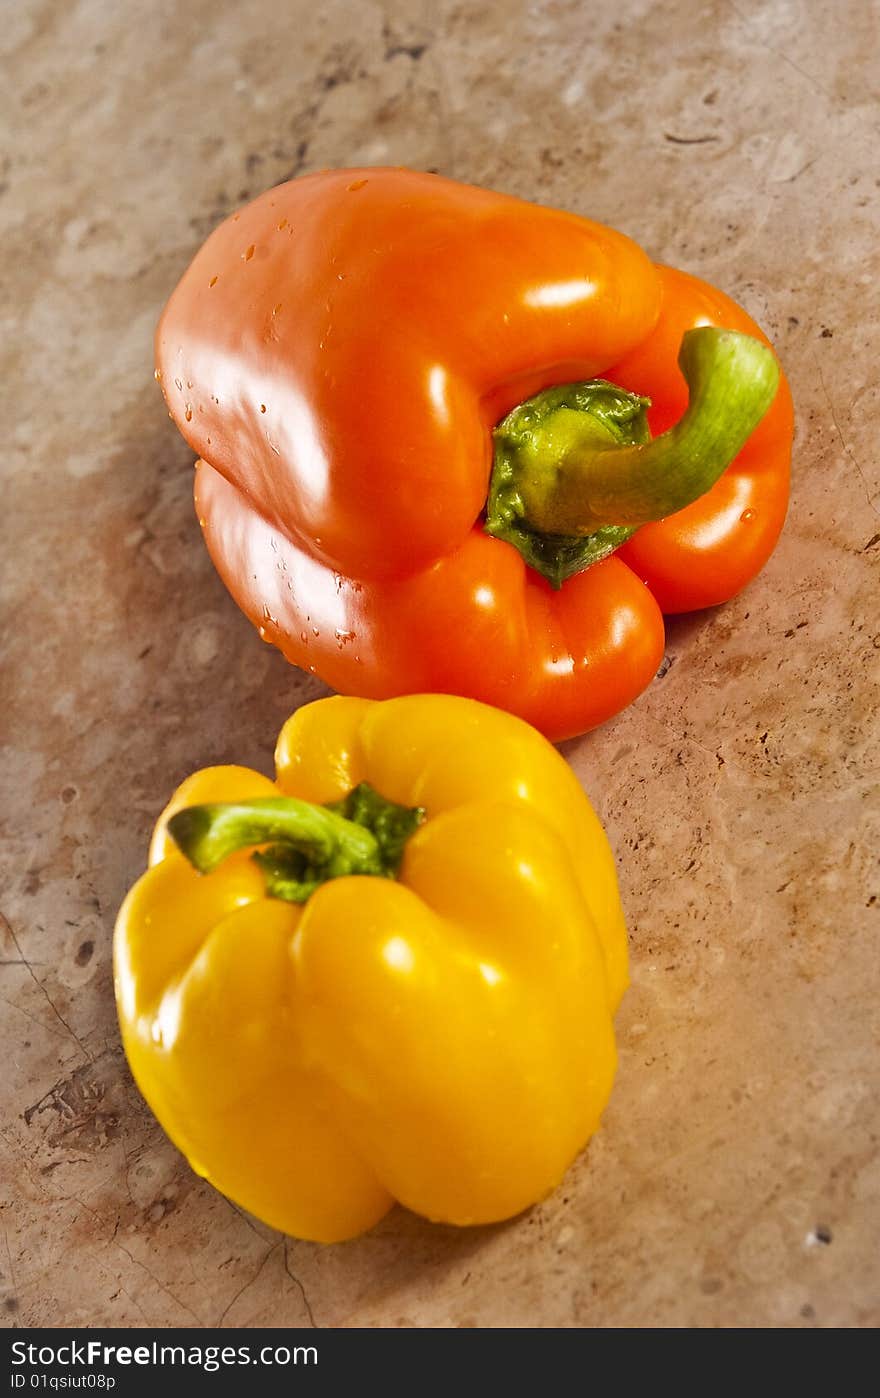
column 338, row 355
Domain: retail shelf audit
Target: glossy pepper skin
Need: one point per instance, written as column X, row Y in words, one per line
column 444, row 1039
column 338, row 354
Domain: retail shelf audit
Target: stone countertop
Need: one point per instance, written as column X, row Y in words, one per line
column 736, row 1180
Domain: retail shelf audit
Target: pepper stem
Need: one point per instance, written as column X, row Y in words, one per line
column 568, row 467
column 307, row 844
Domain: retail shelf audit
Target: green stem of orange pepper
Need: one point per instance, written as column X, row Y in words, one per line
column 576, row 472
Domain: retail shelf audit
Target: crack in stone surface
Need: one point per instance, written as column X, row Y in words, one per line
column 294, row 1278
column 869, row 499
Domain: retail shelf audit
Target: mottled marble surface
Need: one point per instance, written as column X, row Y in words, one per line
column 736, row 1180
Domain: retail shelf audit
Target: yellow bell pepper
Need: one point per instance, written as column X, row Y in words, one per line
column 430, row 1021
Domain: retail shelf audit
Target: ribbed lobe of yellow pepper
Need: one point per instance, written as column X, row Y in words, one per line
column 444, row 1040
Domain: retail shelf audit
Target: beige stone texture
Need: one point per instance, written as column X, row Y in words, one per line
column 736, row 1179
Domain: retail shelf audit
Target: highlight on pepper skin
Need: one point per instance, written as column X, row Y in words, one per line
column 348, row 390
column 394, row 981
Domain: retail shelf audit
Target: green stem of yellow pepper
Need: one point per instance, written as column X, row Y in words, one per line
column 306, row 844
